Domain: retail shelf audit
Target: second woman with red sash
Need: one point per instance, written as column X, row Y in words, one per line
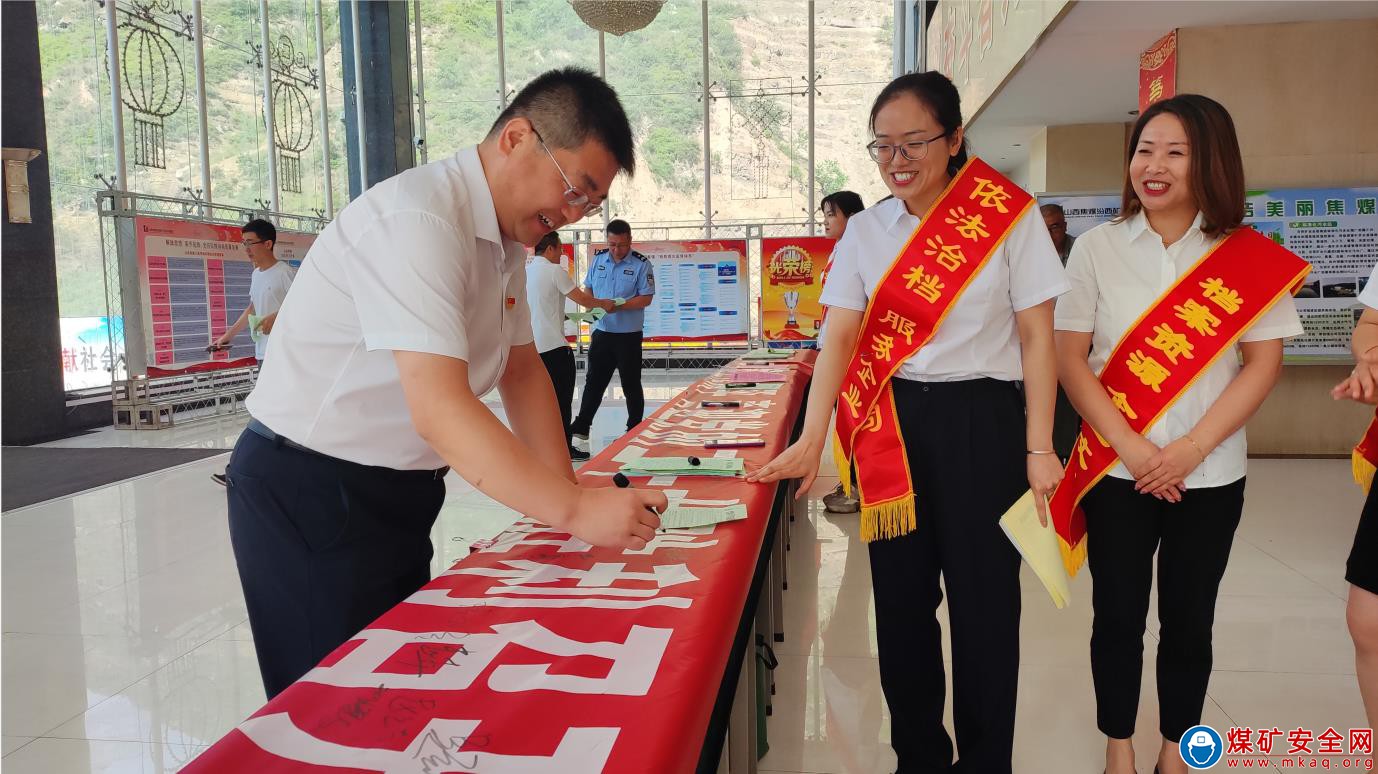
column 939, row 356
column 1160, row 297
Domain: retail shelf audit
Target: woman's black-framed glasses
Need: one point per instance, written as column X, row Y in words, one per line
column 574, row 196
column 914, row 150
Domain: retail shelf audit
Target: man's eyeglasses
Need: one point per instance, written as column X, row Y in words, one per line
column 574, row 196
column 248, row 243
column 915, row 150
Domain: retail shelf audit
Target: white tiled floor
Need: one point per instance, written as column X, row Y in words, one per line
column 126, row 646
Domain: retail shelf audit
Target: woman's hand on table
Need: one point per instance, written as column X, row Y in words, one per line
column 799, row 461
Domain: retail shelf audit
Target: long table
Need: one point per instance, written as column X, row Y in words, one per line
column 540, row 653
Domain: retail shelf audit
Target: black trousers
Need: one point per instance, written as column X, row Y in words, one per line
column 323, row 548
column 1192, row 540
column 610, row 352
column 1362, row 567
column 965, row 444
column 559, row 363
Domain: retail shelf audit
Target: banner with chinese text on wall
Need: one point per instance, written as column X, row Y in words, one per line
column 1334, row 229
column 1158, row 71
column 791, row 282
column 195, row 283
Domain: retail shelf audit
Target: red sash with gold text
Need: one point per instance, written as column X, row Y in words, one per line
column 1162, row 354
column 955, row 238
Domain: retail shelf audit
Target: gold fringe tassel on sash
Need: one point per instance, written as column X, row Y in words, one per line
column 1363, row 470
column 1073, row 556
column 882, row 520
column 888, row 520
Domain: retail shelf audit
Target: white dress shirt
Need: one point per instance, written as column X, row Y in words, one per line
column 267, row 290
column 547, row 285
column 1117, row 270
column 979, row 337
column 416, row 264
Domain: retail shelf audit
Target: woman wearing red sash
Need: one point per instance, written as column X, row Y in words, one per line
column 940, row 358
column 1178, row 488
column 1362, row 568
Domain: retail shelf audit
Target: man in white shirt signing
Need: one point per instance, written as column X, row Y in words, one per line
column 409, row 307
column 548, row 284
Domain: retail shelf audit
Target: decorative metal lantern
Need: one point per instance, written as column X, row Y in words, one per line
column 617, row 17
column 293, row 125
column 153, row 83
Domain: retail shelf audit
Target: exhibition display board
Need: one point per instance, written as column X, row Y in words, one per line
column 194, row 283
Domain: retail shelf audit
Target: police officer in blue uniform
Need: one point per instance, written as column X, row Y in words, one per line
column 622, row 274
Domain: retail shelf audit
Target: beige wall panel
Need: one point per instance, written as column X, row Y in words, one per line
column 1085, row 157
column 1305, row 104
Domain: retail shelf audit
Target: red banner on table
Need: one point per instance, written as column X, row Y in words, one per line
column 791, row 282
column 1158, row 71
column 539, row 653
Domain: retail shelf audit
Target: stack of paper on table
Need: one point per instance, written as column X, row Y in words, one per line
column 768, row 354
column 757, row 375
column 1039, row 547
column 679, row 466
column 682, row 517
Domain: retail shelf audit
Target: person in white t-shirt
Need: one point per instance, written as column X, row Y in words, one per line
column 409, row 308
column 548, row 284
column 268, row 287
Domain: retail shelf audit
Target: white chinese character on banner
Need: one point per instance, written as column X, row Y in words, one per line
column 457, row 666
column 436, row 749
column 601, row 578
column 679, row 539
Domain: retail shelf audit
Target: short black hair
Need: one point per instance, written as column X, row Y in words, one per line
column 846, row 202
column 261, row 229
column 1051, row 207
column 551, row 239
column 571, row 106
column 619, row 227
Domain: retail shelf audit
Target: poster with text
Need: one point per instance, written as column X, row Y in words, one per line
column 702, row 289
column 791, row 282
column 195, row 279
column 1334, row 229
column 1085, row 212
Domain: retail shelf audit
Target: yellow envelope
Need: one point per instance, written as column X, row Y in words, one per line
column 1038, row 545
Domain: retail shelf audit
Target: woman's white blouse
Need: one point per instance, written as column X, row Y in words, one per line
column 1117, row 270
column 979, row 337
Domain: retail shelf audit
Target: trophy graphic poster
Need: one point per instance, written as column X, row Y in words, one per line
column 791, row 281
